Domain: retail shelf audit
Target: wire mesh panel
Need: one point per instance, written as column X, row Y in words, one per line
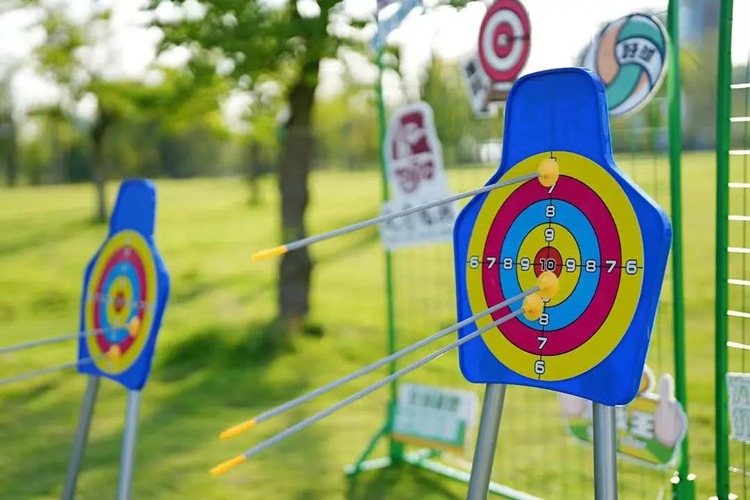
column 733, row 252
column 535, row 454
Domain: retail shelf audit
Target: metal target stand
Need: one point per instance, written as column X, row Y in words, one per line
column 605, row 447
column 127, row 459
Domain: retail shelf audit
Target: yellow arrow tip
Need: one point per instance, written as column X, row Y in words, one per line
column 237, row 429
column 533, row 306
column 549, row 171
column 548, row 284
column 225, row 466
column 269, row 253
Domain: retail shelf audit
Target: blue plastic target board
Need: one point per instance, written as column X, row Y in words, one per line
column 125, row 291
column 604, row 238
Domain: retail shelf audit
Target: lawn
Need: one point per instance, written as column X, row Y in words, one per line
column 211, row 369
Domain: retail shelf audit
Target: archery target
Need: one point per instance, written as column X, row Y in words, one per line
column 590, row 238
column 123, row 286
column 630, row 56
column 504, row 40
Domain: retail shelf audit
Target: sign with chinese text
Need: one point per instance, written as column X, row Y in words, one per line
column 434, row 417
column 414, row 166
column 739, row 405
column 649, row 430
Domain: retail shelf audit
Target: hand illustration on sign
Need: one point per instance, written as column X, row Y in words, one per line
column 649, row 430
column 668, row 417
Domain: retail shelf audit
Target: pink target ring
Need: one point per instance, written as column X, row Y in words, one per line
column 504, row 40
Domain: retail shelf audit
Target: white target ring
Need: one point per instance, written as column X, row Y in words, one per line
column 504, row 40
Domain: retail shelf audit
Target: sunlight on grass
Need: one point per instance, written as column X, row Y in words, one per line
column 211, row 369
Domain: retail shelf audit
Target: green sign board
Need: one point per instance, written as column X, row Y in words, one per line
column 434, row 417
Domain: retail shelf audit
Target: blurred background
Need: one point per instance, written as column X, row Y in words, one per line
column 259, row 122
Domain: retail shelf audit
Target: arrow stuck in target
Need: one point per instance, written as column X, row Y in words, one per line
column 547, row 174
column 531, row 307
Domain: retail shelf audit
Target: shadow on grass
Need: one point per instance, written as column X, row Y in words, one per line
column 48, row 233
column 399, row 481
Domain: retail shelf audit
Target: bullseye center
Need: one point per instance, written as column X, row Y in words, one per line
column 503, row 40
column 119, row 301
column 548, row 259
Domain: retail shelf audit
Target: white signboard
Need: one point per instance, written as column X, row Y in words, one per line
column 739, row 405
column 414, row 164
column 435, row 417
column 478, row 85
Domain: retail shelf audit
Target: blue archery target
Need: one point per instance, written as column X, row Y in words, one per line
column 604, row 238
column 126, row 288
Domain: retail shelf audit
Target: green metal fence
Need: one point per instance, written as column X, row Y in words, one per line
column 535, row 455
column 732, row 242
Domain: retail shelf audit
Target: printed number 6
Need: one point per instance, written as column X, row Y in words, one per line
column 539, row 367
column 474, row 262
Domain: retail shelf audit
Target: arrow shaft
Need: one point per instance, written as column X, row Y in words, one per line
column 372, row 388
column 402, row 213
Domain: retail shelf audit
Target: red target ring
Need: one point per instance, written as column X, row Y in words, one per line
column 504, row 40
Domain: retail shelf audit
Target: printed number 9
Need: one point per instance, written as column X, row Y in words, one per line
column 525, row 264
column 539, row 367
column 549, row 234
column 570, row 265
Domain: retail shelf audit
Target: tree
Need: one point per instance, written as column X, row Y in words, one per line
column 8, row 135
column 284, row 45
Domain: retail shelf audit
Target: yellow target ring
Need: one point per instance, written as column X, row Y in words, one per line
column 566, row 244
column 594, row 350
column 131, row 244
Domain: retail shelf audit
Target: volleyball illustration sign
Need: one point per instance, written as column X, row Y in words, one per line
column 606, row 241
column 650, row 429
column 125, row 291
column 630, row 56
column 414, row 164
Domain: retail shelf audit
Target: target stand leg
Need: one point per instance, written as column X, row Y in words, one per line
column 81, row 438
column 605, row 452
column 127, row 460
column 484, row 453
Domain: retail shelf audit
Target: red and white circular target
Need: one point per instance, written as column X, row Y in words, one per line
column 504, row 40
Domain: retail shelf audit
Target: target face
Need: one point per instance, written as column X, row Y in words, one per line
column 125, row 292
column 604, row 239
column 123, row 286
column 575, row 232
column 504, row 40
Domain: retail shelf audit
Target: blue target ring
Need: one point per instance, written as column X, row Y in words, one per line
column 127, row 270
column 566, row 312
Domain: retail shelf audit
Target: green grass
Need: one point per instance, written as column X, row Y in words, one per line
column 211, row 370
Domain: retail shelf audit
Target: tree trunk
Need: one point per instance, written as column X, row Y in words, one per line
column 11, row 160
column 295, row 163
column 99, row 168
column 254, row 173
